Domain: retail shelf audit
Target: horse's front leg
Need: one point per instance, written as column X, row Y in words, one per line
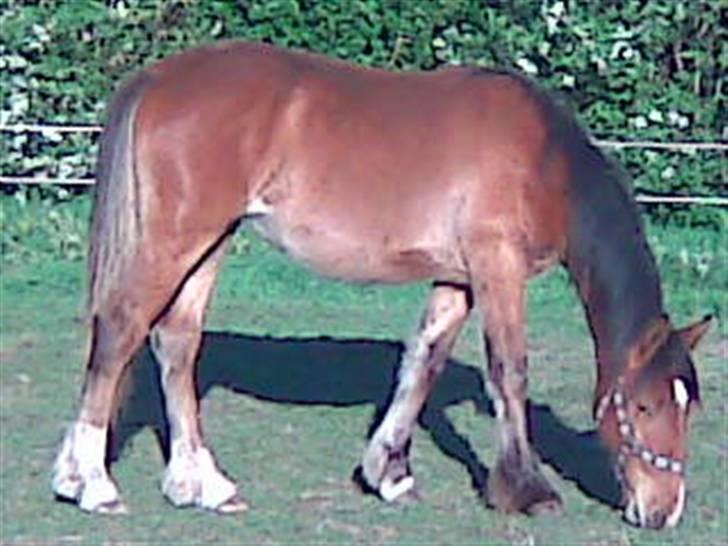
column 385, row 465
column 516, row 484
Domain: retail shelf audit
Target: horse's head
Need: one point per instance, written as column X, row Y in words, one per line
column 644, row 417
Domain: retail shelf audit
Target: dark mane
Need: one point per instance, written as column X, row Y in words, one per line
column 672, row 361
column 607, row 255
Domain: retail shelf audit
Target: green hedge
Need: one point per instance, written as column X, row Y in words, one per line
column 632, row 69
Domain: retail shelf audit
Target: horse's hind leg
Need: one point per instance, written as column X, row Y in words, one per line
column 122, row 315
column 119, row 328
column 499, row 284
column 192, row 476
column 385, row 465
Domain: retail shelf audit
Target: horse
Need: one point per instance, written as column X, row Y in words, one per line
column 471, row 178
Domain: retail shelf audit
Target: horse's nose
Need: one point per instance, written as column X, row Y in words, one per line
column 656, row 520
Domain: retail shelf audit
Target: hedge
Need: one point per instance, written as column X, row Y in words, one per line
column 631, row 69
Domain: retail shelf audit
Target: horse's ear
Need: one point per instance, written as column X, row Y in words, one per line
column 655, row 335
column 691, row 335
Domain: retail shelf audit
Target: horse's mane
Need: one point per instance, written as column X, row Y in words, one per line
column 607, row 255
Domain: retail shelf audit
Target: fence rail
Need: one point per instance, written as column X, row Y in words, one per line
column 613, row 144
column 605, row 143
column 48, row 128
column 47, row 181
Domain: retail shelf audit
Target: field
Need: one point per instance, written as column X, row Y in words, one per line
column 294, row 370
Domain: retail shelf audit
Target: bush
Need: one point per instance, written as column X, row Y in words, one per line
column 631, row 69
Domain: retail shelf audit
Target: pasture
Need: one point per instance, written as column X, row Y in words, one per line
column 293, row 371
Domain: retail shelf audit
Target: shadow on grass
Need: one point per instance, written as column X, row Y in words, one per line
column 336, row 372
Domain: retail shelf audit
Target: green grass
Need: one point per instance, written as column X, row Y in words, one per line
column 288, row 417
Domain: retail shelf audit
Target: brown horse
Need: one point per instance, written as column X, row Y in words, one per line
column 469, row 177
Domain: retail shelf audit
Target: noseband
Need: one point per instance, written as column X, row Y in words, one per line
column 630, row 445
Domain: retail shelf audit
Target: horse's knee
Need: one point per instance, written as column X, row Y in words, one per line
column 515, row 381
column 507, row 382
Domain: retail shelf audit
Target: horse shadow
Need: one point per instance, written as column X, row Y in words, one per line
column 347, row 372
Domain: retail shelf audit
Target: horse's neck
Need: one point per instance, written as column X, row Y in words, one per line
column 619, row 307
column 609, row 259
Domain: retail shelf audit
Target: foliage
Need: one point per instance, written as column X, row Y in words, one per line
column 632, row 69
column 35, row 226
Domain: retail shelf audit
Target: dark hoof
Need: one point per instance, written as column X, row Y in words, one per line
column 522, row 491
column 361, row 483
column 549, row 507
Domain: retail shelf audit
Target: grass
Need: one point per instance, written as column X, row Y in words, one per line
column 292, row 372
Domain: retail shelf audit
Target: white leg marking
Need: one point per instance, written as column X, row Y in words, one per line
column 192, row 477
column 66, row 480
column 79, row 472
column 375, row 459
column 498, row 404
column 444, row 310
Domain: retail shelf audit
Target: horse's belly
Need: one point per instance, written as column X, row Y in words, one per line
column 340, row 252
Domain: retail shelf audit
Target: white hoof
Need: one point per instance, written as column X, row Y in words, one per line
column 179, row 491
column 391, row 491
column 114, row 508
column 192, row 478
column 233, row 505
column 99, row 494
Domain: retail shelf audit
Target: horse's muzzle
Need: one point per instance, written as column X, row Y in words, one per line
column 639, row 514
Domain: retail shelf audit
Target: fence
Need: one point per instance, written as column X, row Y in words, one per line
column 613, row 144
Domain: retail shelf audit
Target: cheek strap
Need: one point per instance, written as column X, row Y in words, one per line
column 630, row 445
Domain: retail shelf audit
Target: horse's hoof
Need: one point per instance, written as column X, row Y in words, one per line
column 410, row 497
column 112, row 508
column 392, row 491
column 234, row 505
column 523, row 491
column 67, row 488
column 550, row 507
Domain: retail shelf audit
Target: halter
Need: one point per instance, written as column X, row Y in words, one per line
column 631, row 445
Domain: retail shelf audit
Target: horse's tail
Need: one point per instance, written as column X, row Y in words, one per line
column 116, row 225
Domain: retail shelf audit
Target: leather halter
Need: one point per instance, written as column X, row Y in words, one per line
column 631, row 446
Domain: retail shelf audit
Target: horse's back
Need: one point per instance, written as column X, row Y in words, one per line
column 364, row 174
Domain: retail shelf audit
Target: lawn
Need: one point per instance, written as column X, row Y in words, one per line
column 293, row 371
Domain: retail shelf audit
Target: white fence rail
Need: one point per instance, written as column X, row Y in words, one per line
column 49, row 129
